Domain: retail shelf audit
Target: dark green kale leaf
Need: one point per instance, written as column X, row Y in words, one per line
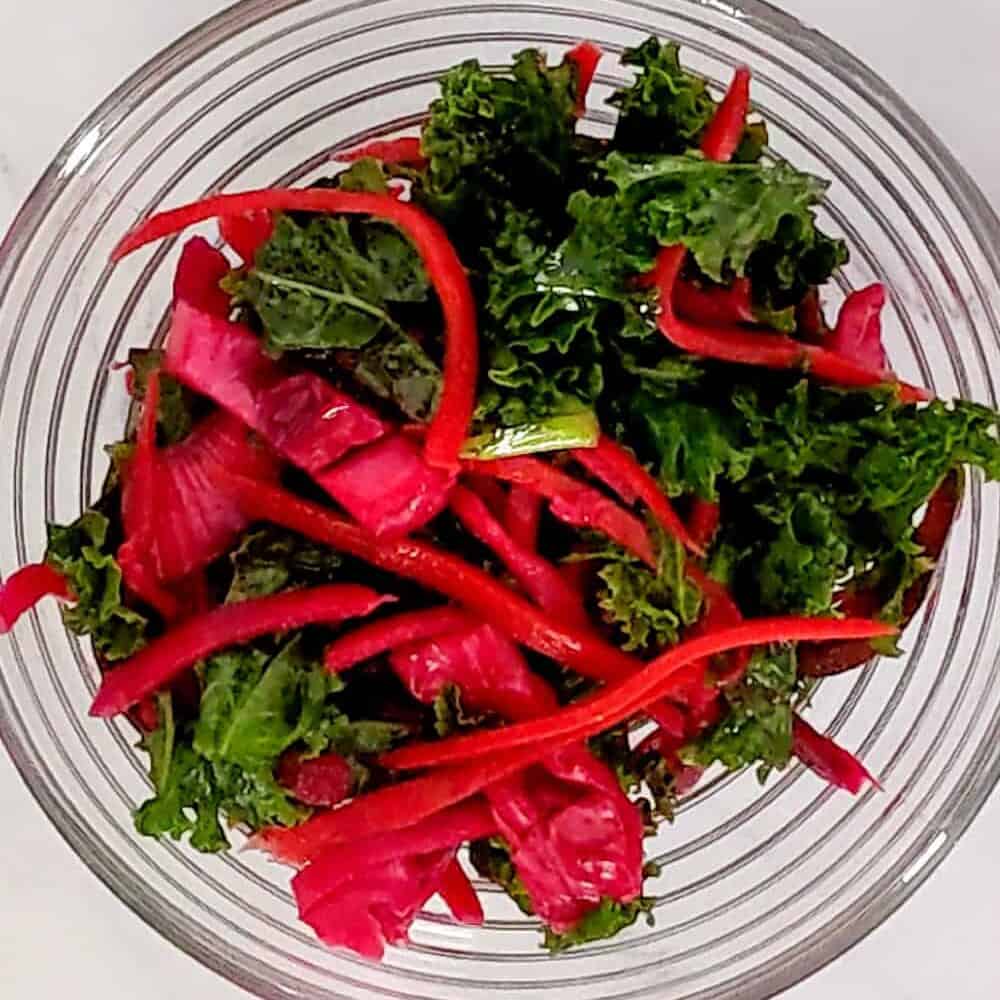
column 84, row 553
column 330, row 282
column 604, row 921
column 496, row 141
column 756, row 728
column 398, row 369
column 270, row 559
column 256, row 704
column 735, row 219
column 649, row 608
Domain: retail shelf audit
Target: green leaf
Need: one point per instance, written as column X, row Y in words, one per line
column 82, row 552
column 269, row 560
column 648, row 608
column 178, row 406
column 757, row 728
column 329, row 282
column 398, row 369
column 605, row 921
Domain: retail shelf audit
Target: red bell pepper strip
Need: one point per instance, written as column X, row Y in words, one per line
column 449, row 426
column 522, row 514
column 140, row 512
column 404, row 152
column 585, row 56
column 539, row 579
column 491, row 493
column 471, row 820
column 832, row 763
column 392, row 808
column 725, row 131
column 716, row 306
column 612, row 705
column 620, row 470
column 390, row 633
column 164, row 658
column 467, row 585
column 25, row 587
column 318, row 781
column 247, row 232
column 703, row 521
column 572, row 501
column 460, row 896
column 764, row 349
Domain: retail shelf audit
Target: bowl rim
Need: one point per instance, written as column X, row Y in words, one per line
column 983, row 772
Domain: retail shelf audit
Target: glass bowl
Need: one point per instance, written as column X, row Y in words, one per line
column 759, row 887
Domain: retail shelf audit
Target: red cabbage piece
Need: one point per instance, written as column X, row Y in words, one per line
column 196, row 280
column 301, row 416
column 317, row 781
column 483, row 664
column 858, row 334
column 388, row 487
column 196, row 521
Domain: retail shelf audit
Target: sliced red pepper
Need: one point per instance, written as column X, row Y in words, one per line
column 460, row 896
column 809, row 319
column 199, row 271
column 539, row 579
column 163, row 659
column 725, row 131
column 490, row 492
column 858, row 333
column 585, row 56
column 615, row 704
column 763, row 349
column 715, row 306
column 703, row 521
column 449, row 426
column 573, row 502
column 619, row 469
column 390, row 633
column 317, row 781
column 247, row 232
column 522, row 514
column 405, row 152
column 467, row 585
column 25, row 587
column 831, row 762
column 392, row 808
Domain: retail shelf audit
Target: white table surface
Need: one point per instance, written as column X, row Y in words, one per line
column 62, row 933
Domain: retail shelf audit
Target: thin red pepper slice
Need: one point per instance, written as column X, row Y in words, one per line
column 703, row 521
column 622, row 471
column 404, row 151
column 246, row 233
column 725, row 131
column 487, row 598
column 164, row 658
column 539, row 579
column 522, row 514
column 449, row 426
column 831, row 762
column 572, row 501
column 585, row 56
column 25, row 587
column 764, row 349
column 614, row 704
column 460, row 897
column 392, row 808
column 716, row 306
column 390, row 633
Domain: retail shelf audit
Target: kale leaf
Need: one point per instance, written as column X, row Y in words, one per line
column 268, row 560
column 84, row 553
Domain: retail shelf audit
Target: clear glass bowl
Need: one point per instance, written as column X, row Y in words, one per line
column 760, row 886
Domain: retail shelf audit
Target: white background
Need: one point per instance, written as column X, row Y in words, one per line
column 61, row 933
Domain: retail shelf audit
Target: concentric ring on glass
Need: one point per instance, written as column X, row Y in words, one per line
column 759, row 886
